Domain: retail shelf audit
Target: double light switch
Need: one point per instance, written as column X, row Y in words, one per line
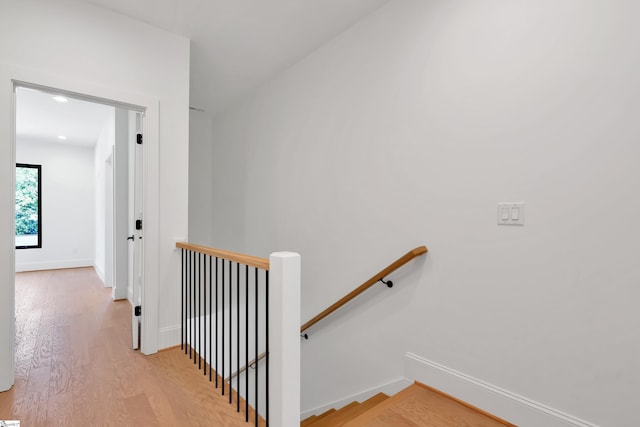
column 511, row 213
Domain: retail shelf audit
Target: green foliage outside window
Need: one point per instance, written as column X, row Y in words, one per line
column 26, row 200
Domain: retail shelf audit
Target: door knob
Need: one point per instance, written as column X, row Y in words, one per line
column 131, row 237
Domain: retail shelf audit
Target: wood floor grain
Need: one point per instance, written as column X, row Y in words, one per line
column 420, row 406
column 75, row 367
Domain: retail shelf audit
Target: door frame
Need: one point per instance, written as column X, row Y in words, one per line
column 11, row 77
column 109, row 221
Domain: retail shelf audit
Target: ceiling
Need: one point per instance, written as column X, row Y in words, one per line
column 40, row 117
column 236, row 45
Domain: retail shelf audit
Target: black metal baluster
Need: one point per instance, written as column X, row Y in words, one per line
column 246, row 344
column 199, row 312
column 204, row 303
column 190, row 324
column 196, row 319
column 186, row 314
column 194, row 293
column 193, row 306
column 222, row 341
column 238, row 336
column 230, row 330
column 210, row 319
column 182, row 300
column 217, row 292
column 256, row 354
column 266, row 341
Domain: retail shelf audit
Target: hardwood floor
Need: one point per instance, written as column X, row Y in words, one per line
column 75, row 366
column 416, row 406
column 420, row 406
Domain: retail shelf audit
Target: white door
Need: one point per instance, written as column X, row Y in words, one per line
column 122, row 225
column 137, row 232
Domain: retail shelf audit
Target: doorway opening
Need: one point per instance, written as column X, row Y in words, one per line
column 91, row 189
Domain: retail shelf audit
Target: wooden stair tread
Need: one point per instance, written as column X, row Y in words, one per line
column 315, row 418
column 334, row 418
column 373, row 401
column 358, row 410
column 308, row 421
column 348, row 412
column 418, row 406
column 378, row 409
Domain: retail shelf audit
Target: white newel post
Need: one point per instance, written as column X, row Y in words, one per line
column 284, row 337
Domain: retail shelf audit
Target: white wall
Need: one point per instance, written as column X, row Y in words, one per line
column 102, row 151
column 408, row 129
column 79, row 47
column 200, row 178
column 67, row 205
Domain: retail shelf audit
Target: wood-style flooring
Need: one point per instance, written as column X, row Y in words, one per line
column 420, row 406
column 75, row 365
column 415, row 406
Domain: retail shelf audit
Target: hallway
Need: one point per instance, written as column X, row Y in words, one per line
column 75, row 366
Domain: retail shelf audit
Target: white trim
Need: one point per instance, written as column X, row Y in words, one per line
column 7, row 234
column 495, row 400
column 389, row 389
column 54, row 265
column 99, row 272
column 151, row 228
column 169, row 337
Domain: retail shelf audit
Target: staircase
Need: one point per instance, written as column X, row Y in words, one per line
column 338, row 418
column 417, row 405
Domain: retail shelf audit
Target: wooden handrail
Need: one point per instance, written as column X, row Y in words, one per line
column 366, row 285
column 252, row 261
column 244, row 368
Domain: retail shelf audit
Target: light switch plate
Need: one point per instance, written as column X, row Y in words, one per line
column 511, row 213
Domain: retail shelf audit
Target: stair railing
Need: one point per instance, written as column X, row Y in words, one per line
column 252, row 364
column 379, row 277
column 232, row 305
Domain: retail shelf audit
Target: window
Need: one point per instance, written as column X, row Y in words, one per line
column 28, row 206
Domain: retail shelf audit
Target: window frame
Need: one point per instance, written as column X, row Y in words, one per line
column 39, row 169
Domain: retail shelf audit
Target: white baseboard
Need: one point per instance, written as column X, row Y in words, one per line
column 169, row 337
column 502, row 403
column 389, row 389
column 119, row 292
column 99, row 272
column 53, row 265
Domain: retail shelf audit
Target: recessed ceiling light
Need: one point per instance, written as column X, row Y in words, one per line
column 62, row 137
column 60, row 98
